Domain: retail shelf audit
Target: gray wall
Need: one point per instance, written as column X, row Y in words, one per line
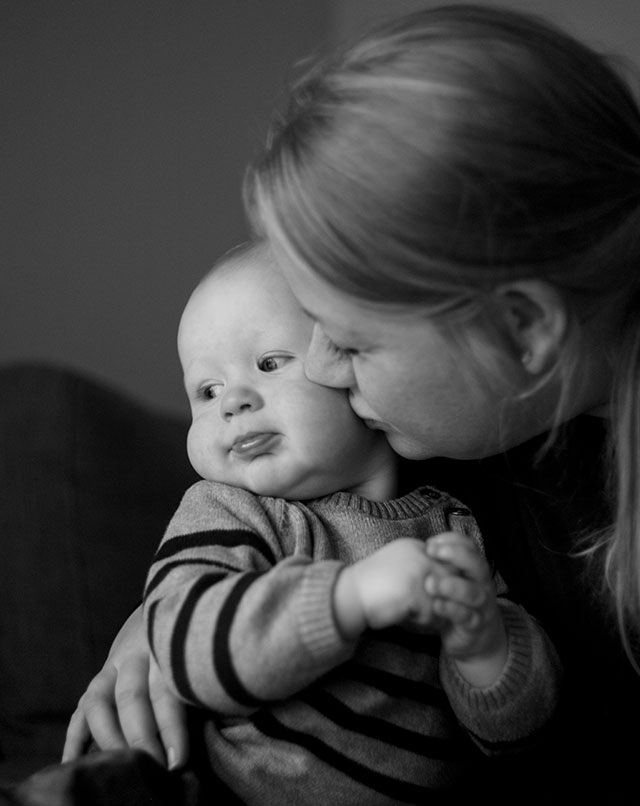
column 126, row 128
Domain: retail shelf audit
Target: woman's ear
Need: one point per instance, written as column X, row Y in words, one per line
column 535, row 315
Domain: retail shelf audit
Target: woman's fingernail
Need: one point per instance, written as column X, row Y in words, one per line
column 171, row 758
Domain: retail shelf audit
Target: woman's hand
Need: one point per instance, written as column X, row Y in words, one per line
column 128, row 705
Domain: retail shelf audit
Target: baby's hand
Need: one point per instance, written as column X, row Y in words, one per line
column 464, row 597
column 385, row 589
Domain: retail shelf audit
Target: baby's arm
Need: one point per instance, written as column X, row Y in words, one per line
column 234, row 622
column 499, row 669
column 463, row 595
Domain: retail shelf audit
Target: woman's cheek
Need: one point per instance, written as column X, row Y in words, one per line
column 370, row 399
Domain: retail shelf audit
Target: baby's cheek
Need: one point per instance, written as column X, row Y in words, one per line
column 197, row 452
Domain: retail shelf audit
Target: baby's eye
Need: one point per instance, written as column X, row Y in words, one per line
column 209, row 391
column 270, row 363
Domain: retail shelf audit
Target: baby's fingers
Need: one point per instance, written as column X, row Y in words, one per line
column 462, row 595
column 457, row 614
column 459, row 552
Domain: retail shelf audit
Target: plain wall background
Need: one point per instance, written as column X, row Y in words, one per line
column 126, row 128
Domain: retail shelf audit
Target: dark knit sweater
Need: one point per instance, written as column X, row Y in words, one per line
column 533, row 510
column 239, row 610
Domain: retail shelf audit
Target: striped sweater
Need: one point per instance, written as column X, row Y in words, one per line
column 239, row 618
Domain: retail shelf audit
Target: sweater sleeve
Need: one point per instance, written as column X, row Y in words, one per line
column 509, row 715
column 238, row 615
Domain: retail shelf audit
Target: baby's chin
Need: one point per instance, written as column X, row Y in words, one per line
column 295, row 492
column 300, row 483
column 301, row 486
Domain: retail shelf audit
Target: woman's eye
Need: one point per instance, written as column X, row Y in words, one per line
column 345, row 351
column 340, row 351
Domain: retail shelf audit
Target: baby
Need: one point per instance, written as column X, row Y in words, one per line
column 345, row 643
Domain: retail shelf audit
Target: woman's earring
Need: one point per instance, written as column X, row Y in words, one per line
column 525, row 358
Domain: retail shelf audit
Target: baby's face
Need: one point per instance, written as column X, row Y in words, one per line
column 258, row 422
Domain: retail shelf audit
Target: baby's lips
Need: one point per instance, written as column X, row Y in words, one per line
column 254, row 444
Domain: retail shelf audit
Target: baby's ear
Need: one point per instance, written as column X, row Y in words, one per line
column 535, row 315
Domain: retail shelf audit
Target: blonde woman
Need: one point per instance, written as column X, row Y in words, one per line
column 455, row 200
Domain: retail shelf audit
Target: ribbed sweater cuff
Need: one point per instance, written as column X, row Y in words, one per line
column 515, row 677
column 318, row 629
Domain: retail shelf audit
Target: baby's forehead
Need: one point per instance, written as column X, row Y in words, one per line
column 251, row 282
column 254, row 260
column 244, row 286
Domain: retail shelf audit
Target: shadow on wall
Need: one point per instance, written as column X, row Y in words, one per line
column 130, row 126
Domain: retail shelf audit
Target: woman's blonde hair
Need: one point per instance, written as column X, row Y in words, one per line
column 457, row 148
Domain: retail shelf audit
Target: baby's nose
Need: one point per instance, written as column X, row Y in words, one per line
column 239, row 400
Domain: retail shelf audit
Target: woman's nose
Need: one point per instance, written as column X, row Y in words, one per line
column 326, row 364
column 239, row 400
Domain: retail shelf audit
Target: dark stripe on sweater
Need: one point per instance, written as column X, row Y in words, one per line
column 395, row 788
column 532, row 740
column 423, row 643
column 391, row 684
column 178, row 638
column 222, row 661
column 229, row 538
column 381, row 730
column 166, row 569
